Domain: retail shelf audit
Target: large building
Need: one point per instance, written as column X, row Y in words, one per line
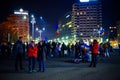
column 112, row 33
column 118, row 31
column 113, row 36
column 65, row 28
column 22, row 23
column 16, row 25
column 86, row 19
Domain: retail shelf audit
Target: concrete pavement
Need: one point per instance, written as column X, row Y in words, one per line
column 64, row 69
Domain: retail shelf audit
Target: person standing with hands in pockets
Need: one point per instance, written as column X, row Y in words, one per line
column 41, row 56
column 94, row 52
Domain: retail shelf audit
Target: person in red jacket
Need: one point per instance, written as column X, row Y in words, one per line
column 94, row 52
column 32, row 56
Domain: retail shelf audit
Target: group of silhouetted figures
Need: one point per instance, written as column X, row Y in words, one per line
column 80, row 52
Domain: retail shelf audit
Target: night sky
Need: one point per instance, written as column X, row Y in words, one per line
column 53, row 10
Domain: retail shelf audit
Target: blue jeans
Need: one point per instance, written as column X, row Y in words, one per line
column 32, row 61
column 42, row 65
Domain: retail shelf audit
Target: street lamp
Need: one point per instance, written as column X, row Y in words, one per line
column 40, row 32
column 33, row 22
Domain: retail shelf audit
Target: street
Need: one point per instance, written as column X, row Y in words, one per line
column 64, row 69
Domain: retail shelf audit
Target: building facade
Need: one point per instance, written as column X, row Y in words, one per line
column 22, row 24
column 118, row 31
column 86, row 20
column 113, row 33
column 65, row 28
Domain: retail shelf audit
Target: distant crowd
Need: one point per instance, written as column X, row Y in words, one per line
column 80, row 52
column 56, row 49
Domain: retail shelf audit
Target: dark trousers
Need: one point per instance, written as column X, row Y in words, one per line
column 31, row 65
column 42, row 65
column 94, row 60
column 18, row 61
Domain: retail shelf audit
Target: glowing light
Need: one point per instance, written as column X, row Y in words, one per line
column 74, row 35
column 21, row 10
column 70, row 25
column 66, row 37
column 43, row 28
column 41, row 17
column 16, row 12
column 24, row 17
column 84, row 0
column 81, row 34
column 32, row 16
column 36, row 29
column 107, row 40
column 58, row 39
column 62, row 38
column 67, row 16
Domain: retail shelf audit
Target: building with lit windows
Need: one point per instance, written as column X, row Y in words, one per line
column 113, row 36
column 22, row 23
column 113, row 33
column 86, row 19
column 65, row 28
column 17, row 25
column 118, row 31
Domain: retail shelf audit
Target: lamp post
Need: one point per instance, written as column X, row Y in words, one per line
column 40, row 32
column 8, row 37
column 33, row 22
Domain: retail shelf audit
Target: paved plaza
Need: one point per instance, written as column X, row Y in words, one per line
column 64, row 69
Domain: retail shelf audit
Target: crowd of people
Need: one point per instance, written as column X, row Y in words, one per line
column 80, row 52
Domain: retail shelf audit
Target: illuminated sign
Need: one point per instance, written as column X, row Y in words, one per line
column 84, row 0
column 21, row 13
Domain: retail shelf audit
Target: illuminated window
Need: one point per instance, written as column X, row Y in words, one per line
column 87, row 7
column 77, row 25
column 81, row 13
column 88, row 18
column 84, row 12
column 77, row 13
column 81, row 34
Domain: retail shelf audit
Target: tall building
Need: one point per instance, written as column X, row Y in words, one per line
column 113, row 33
column 22, row 23
column 118, row 31
column 113, row 36
column 65, row 28
column 86, row 19
column 16, row 25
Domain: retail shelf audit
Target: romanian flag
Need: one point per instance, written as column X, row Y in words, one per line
column 57, row 31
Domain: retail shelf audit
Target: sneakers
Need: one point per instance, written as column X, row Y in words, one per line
column 30, row 71
column 34, row 71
